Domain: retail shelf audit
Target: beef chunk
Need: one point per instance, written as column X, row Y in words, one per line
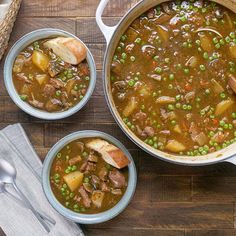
column 36, row 104
column 56, row 83
column 103, row 173
column 93, row 158
column 53, row 104
column 75, row 160
column 117, row 178
column 83, row 69
column 49, row 90
column 24, row 78
column 85, row 197
column 104, row 187
column 54, row 68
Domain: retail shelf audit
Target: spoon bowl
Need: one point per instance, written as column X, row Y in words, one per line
column 7, row 172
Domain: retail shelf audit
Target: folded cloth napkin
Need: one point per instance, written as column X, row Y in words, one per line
column 4, row 5
column 15, row 219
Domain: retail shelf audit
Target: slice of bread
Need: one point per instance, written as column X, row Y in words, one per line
column 110, row 153
column 69, row 50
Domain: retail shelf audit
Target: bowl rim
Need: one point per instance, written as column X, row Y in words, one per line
column 17, row 47
column 88, row 218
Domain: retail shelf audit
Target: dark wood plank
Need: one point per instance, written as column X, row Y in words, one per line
column 52, row 8
column 96, row 111
column 1, row 232
column 88, row 31
column 55, row 131
column 223, row 232
column 154, row 188
column 131, row 232
column 173, row 216
column 222, row 189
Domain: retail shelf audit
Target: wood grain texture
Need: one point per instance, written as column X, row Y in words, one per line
column 170, row 200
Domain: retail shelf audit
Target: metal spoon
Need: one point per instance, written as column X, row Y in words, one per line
column 19, row 201
column 8, row 176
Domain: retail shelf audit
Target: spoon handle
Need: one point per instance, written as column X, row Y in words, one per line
column 22, row 203
column 27, row 202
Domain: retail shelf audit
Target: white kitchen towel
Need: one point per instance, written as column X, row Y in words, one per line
column 16, row 220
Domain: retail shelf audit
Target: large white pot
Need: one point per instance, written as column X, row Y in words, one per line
column 112, row 35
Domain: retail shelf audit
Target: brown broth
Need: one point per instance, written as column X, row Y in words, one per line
column 61, row 164
column 170, row 82
column 73, row 80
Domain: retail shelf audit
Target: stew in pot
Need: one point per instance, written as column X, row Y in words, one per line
column 173, row 77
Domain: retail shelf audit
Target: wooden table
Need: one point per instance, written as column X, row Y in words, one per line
column 170, row 200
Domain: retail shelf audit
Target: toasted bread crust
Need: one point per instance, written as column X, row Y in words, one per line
column 110, row 153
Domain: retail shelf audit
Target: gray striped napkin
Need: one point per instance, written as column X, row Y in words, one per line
column 15, row 219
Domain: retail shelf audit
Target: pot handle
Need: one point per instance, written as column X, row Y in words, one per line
column 106, row 30
column 232, row 160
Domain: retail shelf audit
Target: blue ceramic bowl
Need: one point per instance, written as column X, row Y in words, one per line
column 14, row 52
column 88, row 218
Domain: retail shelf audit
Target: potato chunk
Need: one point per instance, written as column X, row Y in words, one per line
column 130, row 107
column 74, row 180
column 97, row 198
column 175, row 146
column 223, row 106
column 41, row 78
column 40, row 60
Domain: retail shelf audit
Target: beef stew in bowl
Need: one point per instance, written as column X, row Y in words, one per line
column 173, row 77
column 89, row 177
column 50, row 74
column 46, row 81
column 83, row 182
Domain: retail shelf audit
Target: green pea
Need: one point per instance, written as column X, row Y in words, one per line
column 217, row 46
column 23, row 97
column 232, row 35
column 167, row 60
column 185, row 44
column 138, row 40
column 185, row 107
column 207, row 91
column 178, row 105
column 124, row 55
column 215, row 40
column 171, row 107
column 86, row 180
column 74, row 168
column 171, row 77
column 132, row 58
column 202, row 67
column 227, row 39
column 131, row 82
column 222, row 123
column 155, row 58
column 150, row 142
column 173, row 122
column 186, row 70
column 158, row 70
column 222, row 42
column 58, row 93
column 222, row 95
column 233, row 115
column 56, row 176
column 87, row 78
column 205, row 55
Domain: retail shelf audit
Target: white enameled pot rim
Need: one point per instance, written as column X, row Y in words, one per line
column 17, row 48
column 88, row 218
